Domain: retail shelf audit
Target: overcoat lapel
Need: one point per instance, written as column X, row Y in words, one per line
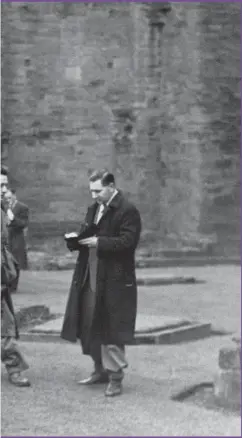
column 15, row 207
column 113, row 204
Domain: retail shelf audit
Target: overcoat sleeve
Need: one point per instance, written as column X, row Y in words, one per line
column 21, row 218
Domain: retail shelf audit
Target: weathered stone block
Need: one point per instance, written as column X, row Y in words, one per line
column 229, row 358
column 227, row 388
column 236, row 338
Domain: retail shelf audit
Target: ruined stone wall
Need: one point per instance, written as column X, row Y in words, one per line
column 220, row 77
column 151, row 92
column 57, row 105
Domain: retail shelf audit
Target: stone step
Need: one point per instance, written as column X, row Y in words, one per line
column 150, row 329
column 152, row 323
column 166, row 280
column 187, row 333
column 144, row 324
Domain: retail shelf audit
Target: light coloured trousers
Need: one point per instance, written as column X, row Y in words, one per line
column 113, row 358
column 109, row 357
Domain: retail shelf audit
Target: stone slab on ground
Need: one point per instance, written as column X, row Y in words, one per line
column 150, row 329
column 151, row 280
column 187, row 333
column 150, row 323
column 144, row 324
column 50, row 327
column 196, row 301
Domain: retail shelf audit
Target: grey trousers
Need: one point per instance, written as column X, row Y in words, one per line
column 11, row 355
column 14, row 286
column 110, row 358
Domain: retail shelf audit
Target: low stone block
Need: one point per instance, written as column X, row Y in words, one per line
column 237, row 339
column 227, row 390
column 229, row 358
column 30, row 314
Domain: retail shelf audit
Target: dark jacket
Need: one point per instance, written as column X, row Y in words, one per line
column 8, row 321
column 16, row 228
column 115, row 305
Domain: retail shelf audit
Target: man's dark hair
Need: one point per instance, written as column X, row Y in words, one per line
column 4, row 170
column 104, row 175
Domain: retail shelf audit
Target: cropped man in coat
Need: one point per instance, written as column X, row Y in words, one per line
column 11, row 355
column 102, row 305
column 18, row 217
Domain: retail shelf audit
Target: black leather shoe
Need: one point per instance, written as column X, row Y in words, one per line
column 94, row 378
column 17, row 380
column 114, row 388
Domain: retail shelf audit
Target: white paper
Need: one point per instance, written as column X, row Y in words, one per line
column 70, row 235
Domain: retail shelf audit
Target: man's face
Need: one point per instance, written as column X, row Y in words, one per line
column 4, row 185
column 9, row 196
column 100, row 193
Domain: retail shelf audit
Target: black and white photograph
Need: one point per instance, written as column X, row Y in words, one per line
column 120, row 218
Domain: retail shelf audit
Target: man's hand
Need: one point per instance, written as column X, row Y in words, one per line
column 91, row 242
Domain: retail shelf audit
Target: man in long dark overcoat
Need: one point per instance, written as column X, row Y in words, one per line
column 102, row 304
column 18, row 218
column 11, row 355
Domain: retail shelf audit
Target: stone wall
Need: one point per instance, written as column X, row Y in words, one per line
column 220, row 76
column 147, row 90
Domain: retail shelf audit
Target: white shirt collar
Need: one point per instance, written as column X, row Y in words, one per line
column 101, row 207
column 113, row 195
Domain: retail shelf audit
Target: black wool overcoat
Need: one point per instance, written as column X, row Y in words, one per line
column 113, row 312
